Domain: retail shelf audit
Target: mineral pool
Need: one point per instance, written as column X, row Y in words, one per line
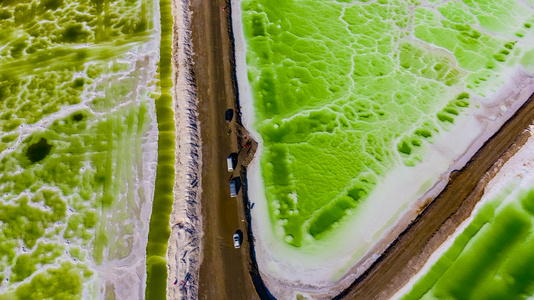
column 491, row 258
column 345, row 92
column 78, row 81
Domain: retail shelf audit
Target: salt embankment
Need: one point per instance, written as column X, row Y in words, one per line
column 184, row 249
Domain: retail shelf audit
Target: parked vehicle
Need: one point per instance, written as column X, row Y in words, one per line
column 233, row 188
column 228, row 115
column 230, row 161
column 237, row 240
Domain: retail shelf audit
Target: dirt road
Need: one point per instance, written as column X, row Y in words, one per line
column 415, row 245
column 224, row 272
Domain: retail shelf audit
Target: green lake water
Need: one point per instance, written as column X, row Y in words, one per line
column 346, row 91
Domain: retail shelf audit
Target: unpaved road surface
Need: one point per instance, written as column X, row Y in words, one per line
column 224, row 272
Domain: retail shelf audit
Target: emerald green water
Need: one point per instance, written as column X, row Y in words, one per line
column 345, row 91
column 491, row 259
column 73, row 115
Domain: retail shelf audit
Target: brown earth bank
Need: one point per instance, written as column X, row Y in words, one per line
column 225, row 272
column 409, row 252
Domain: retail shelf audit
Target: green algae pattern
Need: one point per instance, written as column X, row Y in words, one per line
column 73, row 118
column 491, row 259
column 345, row 91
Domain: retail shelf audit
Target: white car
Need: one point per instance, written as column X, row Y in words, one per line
column 237, row 240
column 230, row 163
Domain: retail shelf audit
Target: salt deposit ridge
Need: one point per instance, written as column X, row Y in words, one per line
column 184, row 250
